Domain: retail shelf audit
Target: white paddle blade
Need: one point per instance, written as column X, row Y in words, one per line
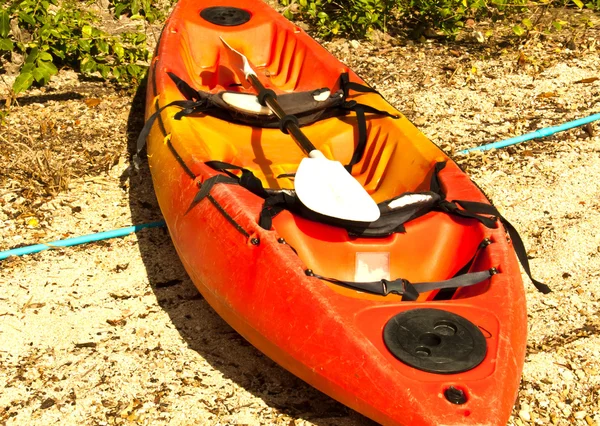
column 325, row 187
column 238, row 62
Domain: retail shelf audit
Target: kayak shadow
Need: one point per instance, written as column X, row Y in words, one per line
column 199, row 325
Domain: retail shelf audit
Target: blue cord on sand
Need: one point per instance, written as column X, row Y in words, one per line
column 84, row 239
column 541, row 133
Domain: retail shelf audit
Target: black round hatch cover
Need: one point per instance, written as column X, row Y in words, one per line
column 435, row 341
column 225, row 16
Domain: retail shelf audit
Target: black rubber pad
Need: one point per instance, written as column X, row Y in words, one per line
column 225, row 16
column 435, row 341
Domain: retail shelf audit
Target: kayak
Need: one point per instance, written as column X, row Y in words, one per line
column 414, row 316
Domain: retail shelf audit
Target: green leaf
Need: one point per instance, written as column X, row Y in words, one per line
column 45, row 56
column 133, row 69
column 33, row 55
column 27, row 68
column 39, row 75
column 117, row 72
column 86, row 30
column 84, row 45
column 22, row 82
column 120, row 9
column 6, row 44
column 578, row 3
column 104, row 70
column 87, row 65
column 25, row 17
column 48, row 68
column 527, row 23
column 59, row 53
column 102, row 46
column 119, row 51
column 4, row 23
column 518, row 30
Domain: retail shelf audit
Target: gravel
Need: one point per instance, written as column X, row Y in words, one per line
column 115, row 333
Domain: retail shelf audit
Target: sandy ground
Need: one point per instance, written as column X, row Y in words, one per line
column 115, row 333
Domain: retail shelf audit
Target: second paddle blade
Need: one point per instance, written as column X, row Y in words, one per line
column 325, row 187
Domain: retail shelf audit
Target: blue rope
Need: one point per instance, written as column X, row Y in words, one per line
column 541, row 133
column 84, row 239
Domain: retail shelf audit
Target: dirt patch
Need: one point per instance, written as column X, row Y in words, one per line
column 115, row 332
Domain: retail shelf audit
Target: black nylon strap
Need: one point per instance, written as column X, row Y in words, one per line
column 362, row 138
column 246, row 180
column 272, row 206
column 207, row 186
column 186, row 90
column 361, row 120
column 435, row 185
column 409, row 291
column 275, row 202
column 452, row 208
column 513, row 234
column 475, row 210
column 346, row 85
column 360, row 109
column 204, row 192
column 141, row 141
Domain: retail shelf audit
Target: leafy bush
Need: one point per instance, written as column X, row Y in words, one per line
column 50, row 34
column 355, row 17
column 137, row 9
column 449, row 15
column 358, row 17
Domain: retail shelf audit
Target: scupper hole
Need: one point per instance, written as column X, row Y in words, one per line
column 430, row 339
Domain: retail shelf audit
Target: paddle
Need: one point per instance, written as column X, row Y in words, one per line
column 322, row 185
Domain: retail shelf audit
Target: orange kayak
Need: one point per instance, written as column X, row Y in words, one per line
column 416, row 318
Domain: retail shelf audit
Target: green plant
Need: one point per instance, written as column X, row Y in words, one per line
column 50, row 34
column 358, row 17
column 350, row 17
column 137, row 9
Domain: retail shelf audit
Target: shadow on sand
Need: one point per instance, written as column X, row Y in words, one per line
column 202, row 329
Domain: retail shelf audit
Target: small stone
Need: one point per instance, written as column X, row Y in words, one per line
column 580, row 415
column 355, row 44
column 47, row 403
column 567, row 375
column 419, row 121
column 525, row 415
